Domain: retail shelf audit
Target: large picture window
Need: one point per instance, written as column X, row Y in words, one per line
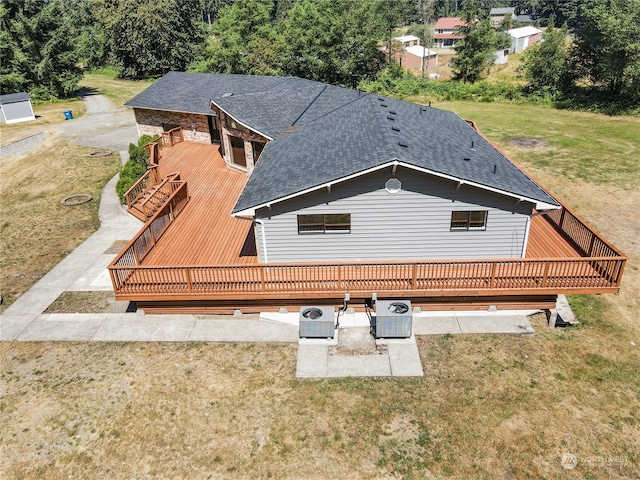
column 325, row 223
column 469, row 220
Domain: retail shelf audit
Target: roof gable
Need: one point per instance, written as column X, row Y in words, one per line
column 449, row 23
column 374, row 131
column 521, row 32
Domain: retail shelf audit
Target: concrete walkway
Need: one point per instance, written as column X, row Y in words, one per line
column 85, row 270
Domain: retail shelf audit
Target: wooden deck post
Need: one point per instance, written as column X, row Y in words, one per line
column 493, row 274
column 545, row 274
column 187, row 273
column 415, row 276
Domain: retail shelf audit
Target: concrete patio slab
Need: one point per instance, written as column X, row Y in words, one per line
column 404, row 360
column 358, row 366
column 514, row 324
column 433, row 325
column 243, row 331
column 11, row 326
column 95, row 278
column 128, row 327
column 52, row 327
column 313, row 361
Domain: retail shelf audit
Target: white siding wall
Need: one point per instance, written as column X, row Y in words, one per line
column 413, row 224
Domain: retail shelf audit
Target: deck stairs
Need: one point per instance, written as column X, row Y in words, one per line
column 153, row 197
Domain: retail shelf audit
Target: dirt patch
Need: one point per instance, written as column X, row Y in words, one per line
column 116, row 247
column 528, row 142
column 88, row 302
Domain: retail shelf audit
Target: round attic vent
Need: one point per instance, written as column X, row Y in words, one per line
column 312, row 313
column 393, row 185
column 398, row 307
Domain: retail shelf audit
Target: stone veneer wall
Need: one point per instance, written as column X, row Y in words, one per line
column 150, row 123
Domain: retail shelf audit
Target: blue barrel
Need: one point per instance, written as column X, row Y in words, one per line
column 68, row 115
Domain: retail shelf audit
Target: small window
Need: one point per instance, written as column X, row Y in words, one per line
column 324, row 223
column 469, row 220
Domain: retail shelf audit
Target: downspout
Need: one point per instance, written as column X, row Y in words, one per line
column 526, row 237
column 264, row 239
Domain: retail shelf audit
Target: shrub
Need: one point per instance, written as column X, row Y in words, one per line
column 135, row 167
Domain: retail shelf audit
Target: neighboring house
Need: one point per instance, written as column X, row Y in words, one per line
column 418, row 58
column 347, row 192
column 16, row 107
column 526, row 19
column 523, row 37
column 409, row 54
column 407, row 40
column 446, row 32
column 498, row 15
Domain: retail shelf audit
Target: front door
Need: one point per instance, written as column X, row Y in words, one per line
column 214, row 129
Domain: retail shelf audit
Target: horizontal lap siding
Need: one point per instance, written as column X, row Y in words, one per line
column 411, row 224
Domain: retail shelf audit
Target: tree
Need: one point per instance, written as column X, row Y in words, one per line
column 476, row 51
column 607, row 46
column 544, row 65
column 37, row 50
column 329, row 40
column 244, row 40
column 148, row 38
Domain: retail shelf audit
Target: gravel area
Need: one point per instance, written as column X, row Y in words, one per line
column 23, row 146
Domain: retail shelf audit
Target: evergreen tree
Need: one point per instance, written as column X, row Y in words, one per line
column 607, row 47
column 331, row 40
column 476, row 51
column 149, row 38
column 37, row 50
column 244, row 40
column 544, row 65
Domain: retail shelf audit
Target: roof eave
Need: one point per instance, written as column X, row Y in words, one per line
column 539, row 205
column 269, row 137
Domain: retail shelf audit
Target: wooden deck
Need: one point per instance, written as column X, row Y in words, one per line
column 205, row 233
column 194, row 254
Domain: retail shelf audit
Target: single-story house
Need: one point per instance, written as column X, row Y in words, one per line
column 523, row 37
column 16, row 107
column 446, row 32
column 407, row 40
column 301, row 191
column 498, row 15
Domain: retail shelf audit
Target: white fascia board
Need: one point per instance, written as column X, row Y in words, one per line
column 243, row 124
column 538, row 204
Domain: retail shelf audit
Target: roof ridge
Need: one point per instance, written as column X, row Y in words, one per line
column 359, row 97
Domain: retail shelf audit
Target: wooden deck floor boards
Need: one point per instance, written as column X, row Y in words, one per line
column 204, row 233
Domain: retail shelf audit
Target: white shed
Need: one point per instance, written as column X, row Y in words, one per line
column 523, row 37
column 16, row 107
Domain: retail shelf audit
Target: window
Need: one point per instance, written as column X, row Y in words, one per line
column 469, row 220
column 324, row 223
column 237, row 151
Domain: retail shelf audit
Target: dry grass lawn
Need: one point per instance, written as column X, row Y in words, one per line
column 488, row 406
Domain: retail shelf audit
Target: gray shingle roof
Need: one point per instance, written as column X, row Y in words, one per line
column 361, row 136
column 13, row 98
column 339, row 132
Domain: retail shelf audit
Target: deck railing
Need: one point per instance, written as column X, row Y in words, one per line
column 583, row 238
column 137, row 189
column 159, row 194
column 411, row 278
column 140, row 246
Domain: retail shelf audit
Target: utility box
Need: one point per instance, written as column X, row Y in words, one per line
column 394, row 319
column 317, row 322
